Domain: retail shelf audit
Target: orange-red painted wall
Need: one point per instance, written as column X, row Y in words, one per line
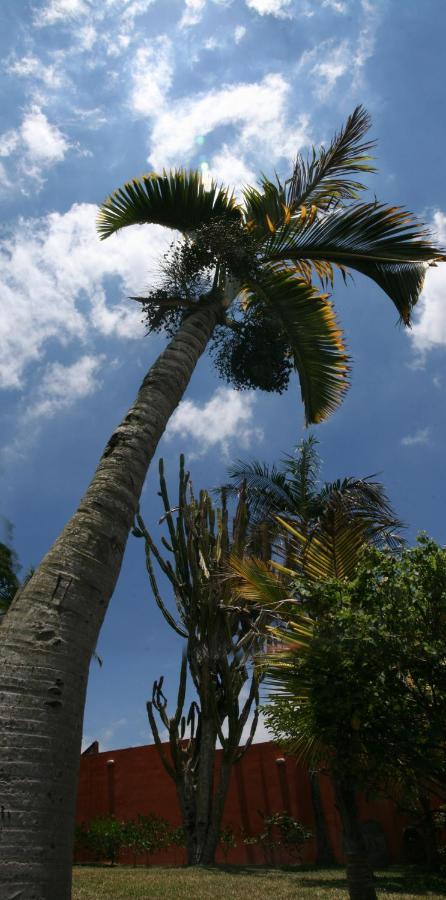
column 136, row 782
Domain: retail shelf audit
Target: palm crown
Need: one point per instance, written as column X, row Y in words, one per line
column 259, row 257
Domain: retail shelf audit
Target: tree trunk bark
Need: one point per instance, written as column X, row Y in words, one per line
column 205, row 787
column 359, row 872
column 218, row 805
column 324, row 852
column 51, row 630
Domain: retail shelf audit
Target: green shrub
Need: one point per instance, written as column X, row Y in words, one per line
column 281, row 831
column 227, row 841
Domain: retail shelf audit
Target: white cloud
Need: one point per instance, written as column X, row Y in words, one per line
column 421, row 436
column 44, row 143
column 326, row 63
column 239, row 33
column 278, row 8
column 4, row 180
column 9, row 141
column 61, row 10
column 227, row 417
column 61, row 386
column 429, row 329
column 32, row 67
column 257, row 110
column 329, row 61
column 231, row 169
column 53, row 275
column 193, row 13
column 34, row 147
column 337, row 5
column 152, row 70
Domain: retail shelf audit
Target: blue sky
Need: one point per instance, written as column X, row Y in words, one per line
column 96, row 93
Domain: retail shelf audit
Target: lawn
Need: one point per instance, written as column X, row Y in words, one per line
column 242, row 883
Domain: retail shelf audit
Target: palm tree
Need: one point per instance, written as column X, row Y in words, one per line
column 294, row 491
column 243, row 273
column 295, row 494
column 325, row 546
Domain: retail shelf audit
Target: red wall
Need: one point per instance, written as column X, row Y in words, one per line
column 136, row 782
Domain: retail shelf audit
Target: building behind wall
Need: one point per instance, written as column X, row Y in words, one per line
column 126, row 783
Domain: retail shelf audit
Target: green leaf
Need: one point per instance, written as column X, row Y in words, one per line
column 178, row 199
column 382, row 242
column 322, row 180
column 309, row 325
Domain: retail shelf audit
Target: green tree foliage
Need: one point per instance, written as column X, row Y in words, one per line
column 106, row 836
column 9, row 582
column 383, row 716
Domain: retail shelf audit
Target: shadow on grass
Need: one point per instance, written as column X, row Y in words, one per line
column 395, row 880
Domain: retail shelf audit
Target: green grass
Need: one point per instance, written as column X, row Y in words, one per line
column 242, row 883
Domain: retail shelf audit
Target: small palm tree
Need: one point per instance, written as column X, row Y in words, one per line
column 295, row 494
column 323, row 547
column 243, row 273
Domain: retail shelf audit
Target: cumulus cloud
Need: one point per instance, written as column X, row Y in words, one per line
column 326, row 63
column 230, row 169
column 61, row 10
column 151, row 72
column 59, row 389
column 338, row 6
column 421, row 436
column 429, row 329
column 61, row 386
column 278, row 8
column 239, row 33
column 33, row 67
column 227, row 417
column 43, row 142
column 193, row 13
column 53, row 275
column 329, row 61
column 35, row 146
column 9, row 141
column 257, row 110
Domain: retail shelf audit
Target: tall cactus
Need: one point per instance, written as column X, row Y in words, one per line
column 220, row 638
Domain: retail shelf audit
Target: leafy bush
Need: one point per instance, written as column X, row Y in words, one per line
column 281, row 831
column 148, row 834
column 105, row 837
column 227, row 841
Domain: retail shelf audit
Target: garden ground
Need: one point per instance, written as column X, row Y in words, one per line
column 243, row 883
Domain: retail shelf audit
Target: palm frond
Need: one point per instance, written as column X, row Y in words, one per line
column 265, row 210
column 322, row 180
column 302, row 471
column 267, row 488
column 331, row 551
column 178, row 199
column 256, row 583
column 381, row 242
column 310, row 328
column 363, row 500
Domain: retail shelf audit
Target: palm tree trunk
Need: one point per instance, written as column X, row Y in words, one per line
column 324, row 852
column 52, row 627
column 359, row 872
